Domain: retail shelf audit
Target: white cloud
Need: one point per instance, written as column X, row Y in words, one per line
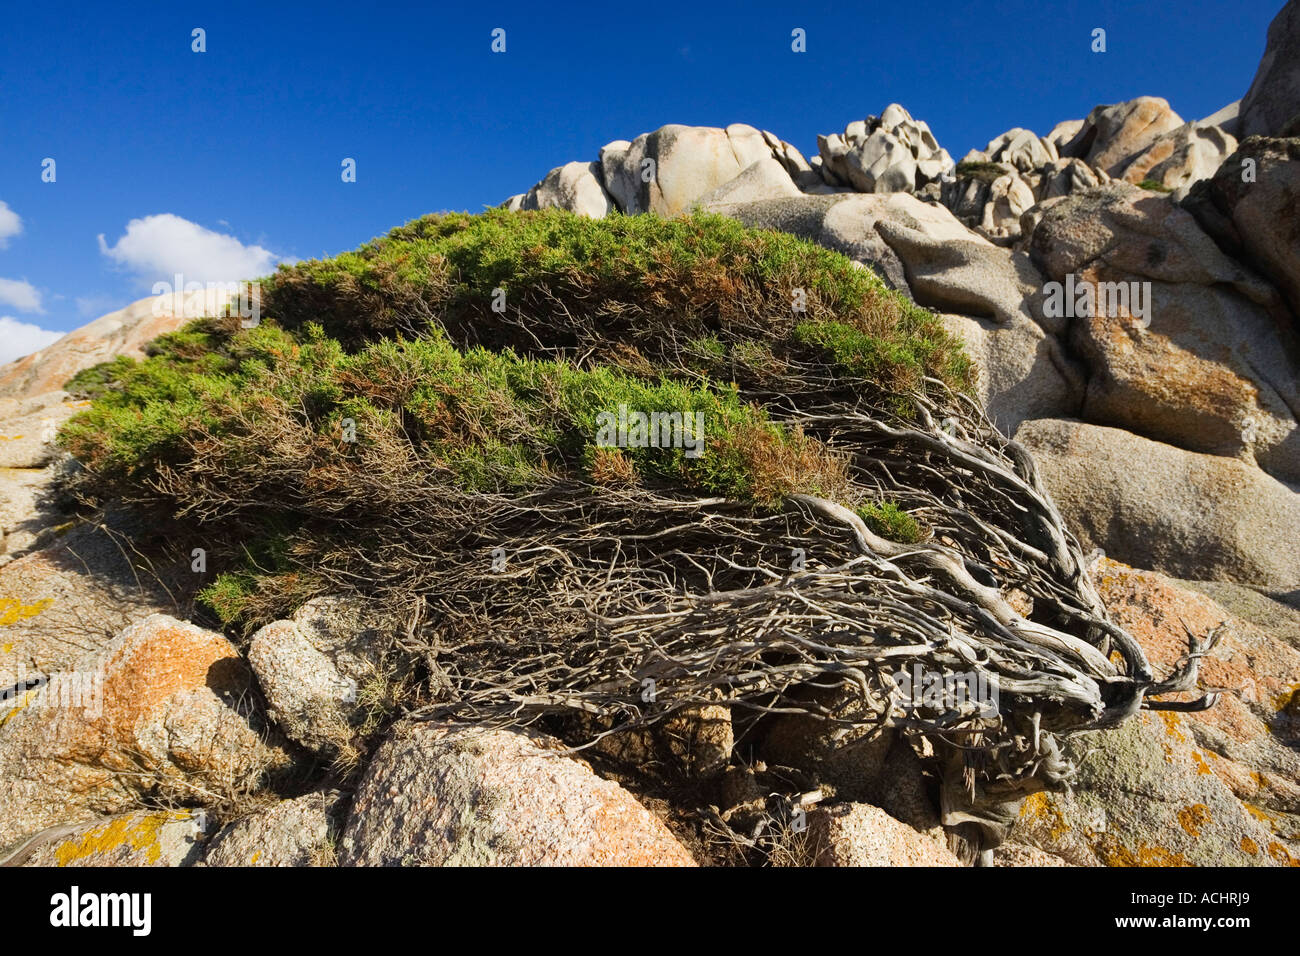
column 10, row 224
column 22, row 295
column 22, row 338
column 156, row 248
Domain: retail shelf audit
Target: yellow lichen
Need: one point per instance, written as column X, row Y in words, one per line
column 1279, row 853
column 1039, row 808
column 1114, row 853
column 1249, row 846
column 1171, row 725
column 1288, row 702
column 27, row 698
column 1194, row 818
column 1262, row 815
column 140, row 833
column 12, row 611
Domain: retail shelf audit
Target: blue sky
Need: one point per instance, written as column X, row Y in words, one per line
column 233, row 156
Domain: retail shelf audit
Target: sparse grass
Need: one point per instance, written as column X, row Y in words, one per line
column 1154, row 186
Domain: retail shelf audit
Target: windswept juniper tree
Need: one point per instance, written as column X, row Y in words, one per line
column 417, row 423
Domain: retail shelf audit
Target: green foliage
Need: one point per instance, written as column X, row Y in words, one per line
column 398, row 341
column 983, row 171
column 635, row 280
column 890, row 521
column 1154, row 186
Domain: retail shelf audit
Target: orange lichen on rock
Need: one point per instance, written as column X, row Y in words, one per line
column 1194, row 818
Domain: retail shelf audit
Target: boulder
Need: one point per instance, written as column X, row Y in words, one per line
column 1273, row 101
column 310, row 669
column 163, row 711
column 1227, row 119
column 857, row 834
column 71, row 599
column 1063, row 133
column 1021, row 370
column 1065, row 177
column 439, row 795
column 306, row 696
column 290, row 833
column 1155, row 506
column 1250, row 738
column 1255, row 220
column 1142, row 798
column 1020, row 148
column 1181, row 157
column 574, row 186
column 141, row 838
column 799, row 169
column 1205, row 364
column 28, row 427
column 1113, row 136
column 950, row 269
column 846, row 224
column 884, row 154
column 685, row 163
column 765, row 179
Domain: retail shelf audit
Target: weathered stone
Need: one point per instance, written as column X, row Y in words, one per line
column 1156, row 506
column 1112, row 136
column 574, row 186
column 1017, row 854
column 1207, row 367
column 685, row 163
column 856, row 834
column 1143, row 797
column 28, row 427
column 1021, row 370
column 306, row 695
column 124, row 332
column 1273, row 100
column 1255, row 220
column 142, row 838
column 1178, row 159
column 1022, row 149
column 70, row 599
column 885, row 154
column 1249, row 738
column 764, row 179
column 294, row 832
column 950, row 269
column 452, row 795
column 29, row 515
column 163, row 709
